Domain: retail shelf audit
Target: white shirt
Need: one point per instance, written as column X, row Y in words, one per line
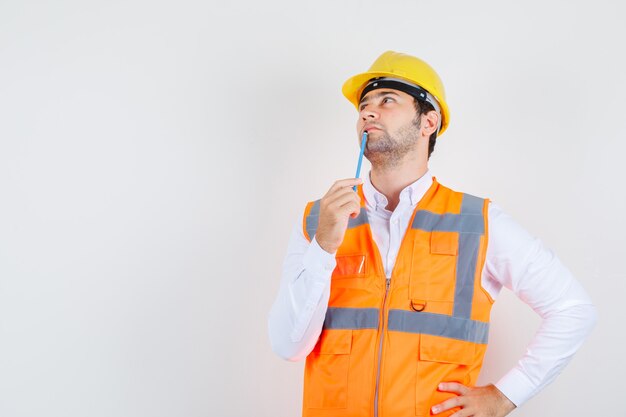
column 515, row 260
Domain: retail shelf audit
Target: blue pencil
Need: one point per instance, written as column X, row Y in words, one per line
column 358, row 167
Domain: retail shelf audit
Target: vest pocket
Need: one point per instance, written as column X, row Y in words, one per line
column 433, row 266
column 350, row 266
column 444, row 243
column 440, row 359
column 326, row 376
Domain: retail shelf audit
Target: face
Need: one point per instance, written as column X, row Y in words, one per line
column 389, row 117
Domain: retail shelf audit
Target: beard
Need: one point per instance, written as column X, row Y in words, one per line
column 387, row 151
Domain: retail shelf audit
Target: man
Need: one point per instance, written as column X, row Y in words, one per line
column 387, row 290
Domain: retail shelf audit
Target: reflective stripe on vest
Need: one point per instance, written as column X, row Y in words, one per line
column 409, row 322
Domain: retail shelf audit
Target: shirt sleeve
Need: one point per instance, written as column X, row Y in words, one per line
column 521, row 263
column 297, row 315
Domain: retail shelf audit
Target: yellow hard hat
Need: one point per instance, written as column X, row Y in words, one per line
column 408, row 68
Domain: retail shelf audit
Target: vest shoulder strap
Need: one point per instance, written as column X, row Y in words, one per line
column 310, row 219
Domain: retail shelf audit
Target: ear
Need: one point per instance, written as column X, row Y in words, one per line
column 430, row 121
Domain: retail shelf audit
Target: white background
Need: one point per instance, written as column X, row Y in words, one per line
column 155, row 155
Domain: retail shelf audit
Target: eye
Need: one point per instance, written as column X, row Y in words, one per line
column 387, row 99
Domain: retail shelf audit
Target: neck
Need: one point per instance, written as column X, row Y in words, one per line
column 391, row 181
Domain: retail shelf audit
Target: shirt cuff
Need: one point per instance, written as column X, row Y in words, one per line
column 516, row 386
column 317, row 261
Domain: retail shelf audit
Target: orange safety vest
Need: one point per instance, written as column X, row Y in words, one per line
column 387, row 343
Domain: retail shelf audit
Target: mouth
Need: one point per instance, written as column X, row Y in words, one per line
column 370, row 128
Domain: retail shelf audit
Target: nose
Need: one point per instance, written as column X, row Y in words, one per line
column 367, row 113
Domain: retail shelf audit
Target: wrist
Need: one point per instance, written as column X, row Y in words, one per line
column 326, row 247
column 506, row 404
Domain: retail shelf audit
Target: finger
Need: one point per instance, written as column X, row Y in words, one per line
column 342, row 192
column 351, row 208
column 348, row 182
column 341, row 197
column 462, row 413
column 356, row 210
column 453, row 387
column 448, row 404
column 346, row 198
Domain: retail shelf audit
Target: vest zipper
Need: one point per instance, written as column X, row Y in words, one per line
column 380, row 348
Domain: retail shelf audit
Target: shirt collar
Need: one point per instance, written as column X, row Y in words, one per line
column 414, row 191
